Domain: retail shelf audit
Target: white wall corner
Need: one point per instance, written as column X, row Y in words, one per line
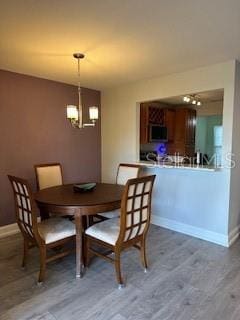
column 196, row 232
column 233, row 236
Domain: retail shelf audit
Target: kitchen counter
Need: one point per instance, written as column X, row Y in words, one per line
column 179, row 166
column 189, row 199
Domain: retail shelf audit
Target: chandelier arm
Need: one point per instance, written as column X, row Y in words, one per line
column 92, row 124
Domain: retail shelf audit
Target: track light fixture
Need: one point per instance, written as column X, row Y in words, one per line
column 193, row 99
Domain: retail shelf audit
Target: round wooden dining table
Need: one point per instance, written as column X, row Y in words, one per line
column 63, row 200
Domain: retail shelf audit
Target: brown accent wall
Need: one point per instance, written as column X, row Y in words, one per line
column 34, row 129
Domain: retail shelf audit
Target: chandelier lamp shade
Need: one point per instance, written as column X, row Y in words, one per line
column 75, row 113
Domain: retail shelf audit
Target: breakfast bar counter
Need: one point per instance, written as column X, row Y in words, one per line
column 183, row 166
column 186, row 199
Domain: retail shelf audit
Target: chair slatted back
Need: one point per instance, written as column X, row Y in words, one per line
column 25, row 210
column 126, row 172
column 48, row 175
column 136, row 207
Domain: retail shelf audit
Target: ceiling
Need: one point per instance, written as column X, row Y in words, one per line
column 124, row 41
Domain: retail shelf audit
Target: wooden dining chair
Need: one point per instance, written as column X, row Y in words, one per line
column 48, row 234
column 128, row 231
column 124, row 173
column 48, row 175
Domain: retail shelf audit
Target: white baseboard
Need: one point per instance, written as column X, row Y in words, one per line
column 196, row 232
column 8, row 230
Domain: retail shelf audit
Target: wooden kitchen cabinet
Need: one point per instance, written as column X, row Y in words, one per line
column 180, row 126
column 184, row 137
column 156, row 116
column 180, row 123
column 169, row 120
column 191, row 126
column 151, row 114
column 144, row 124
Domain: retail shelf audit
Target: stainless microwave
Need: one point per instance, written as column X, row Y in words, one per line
column 157, row 133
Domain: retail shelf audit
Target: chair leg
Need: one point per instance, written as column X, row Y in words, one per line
column 25, row 252
column 43, row 258
column 118, row 269
column 86, row 251
column 90, row 221
column 143, row 254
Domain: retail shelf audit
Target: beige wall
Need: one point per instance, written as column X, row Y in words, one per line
column 234, row 216
column 210, row 109
column 120, row 110
column 120, row 143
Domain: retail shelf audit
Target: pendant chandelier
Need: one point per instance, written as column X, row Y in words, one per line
column 75, row 113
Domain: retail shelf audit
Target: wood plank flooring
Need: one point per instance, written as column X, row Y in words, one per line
column 188, row 279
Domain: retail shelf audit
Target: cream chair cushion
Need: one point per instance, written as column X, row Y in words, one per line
column 49, row 176
column 125, row 173
column 111, row 214
column 107, row 231
column 54, row 229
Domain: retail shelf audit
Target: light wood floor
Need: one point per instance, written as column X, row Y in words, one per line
column 188, row 279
